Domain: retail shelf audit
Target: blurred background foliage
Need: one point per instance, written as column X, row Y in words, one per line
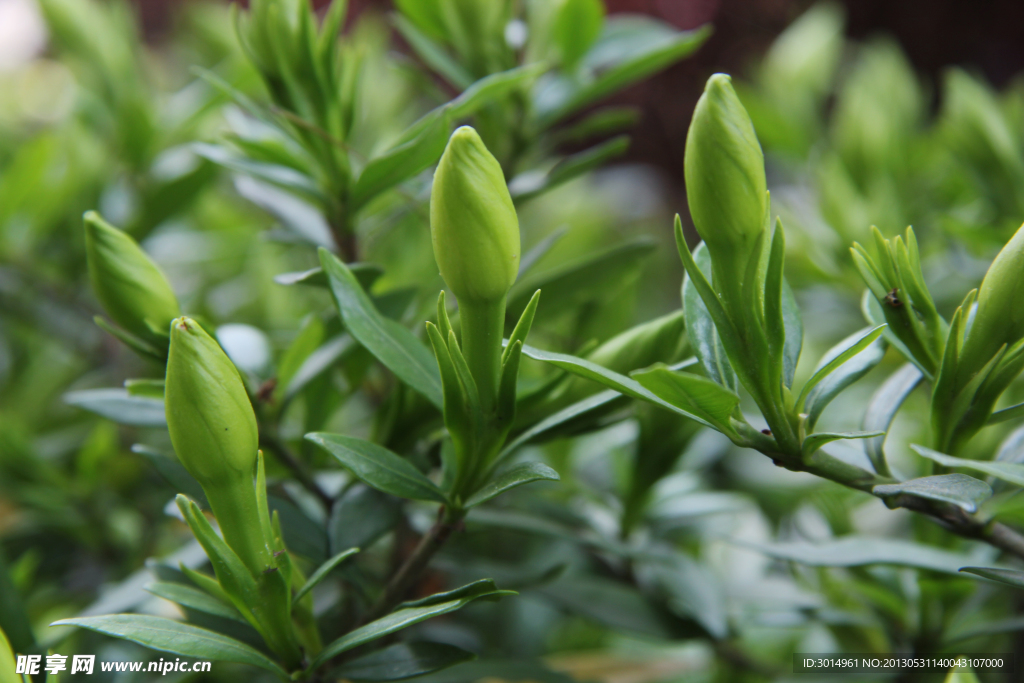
column 153, row 113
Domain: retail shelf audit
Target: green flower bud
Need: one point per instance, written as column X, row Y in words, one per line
column 1000, row 314
column 473, row 223
column 128, row 284
column 725, row 183
column 213, row 430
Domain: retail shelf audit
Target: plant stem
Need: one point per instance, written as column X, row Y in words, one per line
column 409, row 573
column 483, row 325
column 284, row 454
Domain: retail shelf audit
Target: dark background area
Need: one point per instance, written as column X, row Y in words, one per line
column 982, row 35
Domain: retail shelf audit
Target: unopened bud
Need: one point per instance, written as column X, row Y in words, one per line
column 473, row 223
column 131, row 288
column 1000, row 315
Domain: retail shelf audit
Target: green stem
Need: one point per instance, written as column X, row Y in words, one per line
column 483, row 326
column 235, row 506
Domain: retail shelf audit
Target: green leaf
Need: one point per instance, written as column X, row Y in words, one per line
column 193, row 598
column 585, row 279
column 166, row 635
column 532, row 184
column 815, row 441
column 120, row 406
column 859, row 551
column 794, row 334
column 281, row 176
column 539, row 250
column 614, row 604
column 620, row 383
column 1007, row 471
column 693, row 592
column 137, row 345
column 693, row 394
column 478, row 587
column 843, row 376
column 629, row 49
column 1010, row 577
column 563, row 418
column 393, row 345
column 366, row 274
column 490, row 88
column 173, row 472
column 402, row 162
column 701, row 330
column 1012, row 447
column 396, row 621
column 576, row 26
column 361, row 516
column 297, row 215
column 402, row 660
column 1011, row 413
column 14, row 621
column 378, row 467
column 322, row 571
column 828, row 366
column 322, row 359
column 511, row 478
column 882, row 409
column 433, row 55
column 959, row 489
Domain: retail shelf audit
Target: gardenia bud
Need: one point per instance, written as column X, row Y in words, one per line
column 213, row 430
column 131, row 288
column 725, row 181
column 473, row 223
column 1000, row 315
column 209, row 416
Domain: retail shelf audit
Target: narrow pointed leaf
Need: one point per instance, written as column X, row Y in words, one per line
column 1010, row 577
column 322, row 571
column 815, row 441
column 511, row 478
column 843, row 376
column 391, row 343
column 827, row 368
column 167, row 635
column 120, row 406
column 692, row 393
column 624, row 385
column 396, row 621
column 1007, row 471
column 859, row 551
column 378, row 467
column 193, row 598
column 959, row 489
column 882, row 409
column 562, row 417
column 700, row 327
column 402, row 660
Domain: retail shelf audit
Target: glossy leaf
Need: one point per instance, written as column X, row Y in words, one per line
column 167, row 635
column 329, row 354
column 393, row 345
column 396, row 621
column 433, row 55
column 281, row 176
column 378, row 467
column 1007, row 471
column 882, row 409
column 1012, row 447
column 531, row 184
column 120, row 406
column 701, row 328
column 843, row 376
column 692, row 394
column 815, row 441
column 624, row 385
column 1010, row 577
column 297, row 215
column 1011, row 413
column 581, row 280
column 829, row 365
column 402, row 162
column 510, row 479
column 859, row 551
column 402, row 660
column 629, row 49
column 322, row 571
column 193, row 598
column 959, row 489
